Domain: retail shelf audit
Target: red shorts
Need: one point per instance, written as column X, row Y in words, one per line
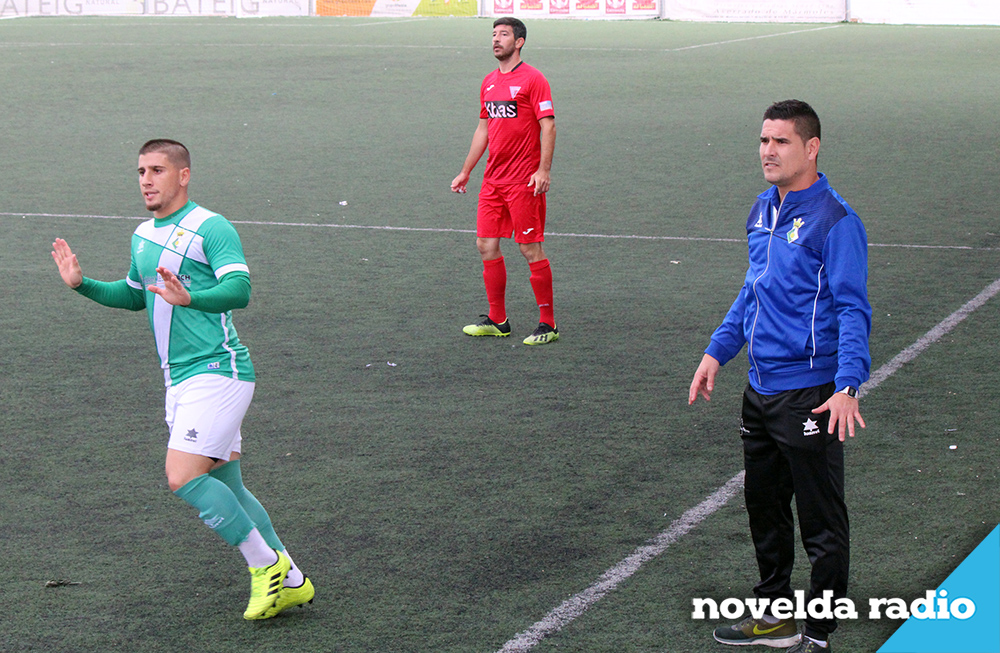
column 511, row 209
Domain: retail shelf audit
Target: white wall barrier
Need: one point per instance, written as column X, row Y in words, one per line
column 14, row 8
column 757, row 11
column 923, row 12
column 927, row 12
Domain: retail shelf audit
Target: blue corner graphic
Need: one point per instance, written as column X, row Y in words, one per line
column 943, row 624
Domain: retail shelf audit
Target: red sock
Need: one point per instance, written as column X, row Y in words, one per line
column 541, row 283
column 495, row 278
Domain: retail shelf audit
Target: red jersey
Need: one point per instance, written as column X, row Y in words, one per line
column 512, row 104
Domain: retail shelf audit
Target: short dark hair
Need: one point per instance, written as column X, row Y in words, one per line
column 520, row 31
column 175, row 151
column 805, row 118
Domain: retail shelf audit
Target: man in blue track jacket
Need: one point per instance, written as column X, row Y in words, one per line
column 804, row 315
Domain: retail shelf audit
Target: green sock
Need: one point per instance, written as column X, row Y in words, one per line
column 232, row 475
column 218, row 508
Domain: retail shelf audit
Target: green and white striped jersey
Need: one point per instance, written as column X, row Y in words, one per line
column 200, row 247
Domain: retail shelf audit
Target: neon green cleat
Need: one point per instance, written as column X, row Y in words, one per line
column 544, row 334
column 265, row 584
column 289, row 597
column 487, row 328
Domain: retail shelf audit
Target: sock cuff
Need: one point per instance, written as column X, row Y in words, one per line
column 537, row 266
column 193, row 489
column 231, row 474
column 493, row 262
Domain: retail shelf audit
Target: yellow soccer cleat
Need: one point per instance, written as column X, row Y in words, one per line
column 289, row 597
column 487, row 328
column 265, row 584
column 544, row 334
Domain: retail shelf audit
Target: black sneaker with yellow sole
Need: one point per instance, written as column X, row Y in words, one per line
column 757, row 631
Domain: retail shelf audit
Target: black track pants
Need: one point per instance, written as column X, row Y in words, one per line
column 787, row 452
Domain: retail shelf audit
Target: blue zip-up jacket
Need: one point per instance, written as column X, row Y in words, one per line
column 803, row 310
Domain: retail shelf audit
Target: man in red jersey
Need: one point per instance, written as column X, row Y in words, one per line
column 517, row 124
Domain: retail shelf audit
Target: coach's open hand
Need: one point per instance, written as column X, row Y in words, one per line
column 843, row 412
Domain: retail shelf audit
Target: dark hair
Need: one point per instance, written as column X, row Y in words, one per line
column 176, row 152
column 520, row 31
column 805, row 119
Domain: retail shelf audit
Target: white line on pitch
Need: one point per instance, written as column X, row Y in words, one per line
column 751, row 38
column 472, row 231
column 423, row 46
column 930, row 337
column 576, row 605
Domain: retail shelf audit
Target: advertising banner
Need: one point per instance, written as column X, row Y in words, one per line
column 575, row 8
column 250, row 8
column 397, row 8
column 15, row 8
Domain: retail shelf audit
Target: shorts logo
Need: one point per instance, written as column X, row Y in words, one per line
column 192, row 436
column 809, row 427
column 528, row 231
column 501, row 109
column 214, row 366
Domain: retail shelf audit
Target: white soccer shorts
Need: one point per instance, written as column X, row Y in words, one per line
column 204, row 414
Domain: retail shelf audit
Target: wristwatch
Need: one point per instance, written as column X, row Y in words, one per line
column 850, row 391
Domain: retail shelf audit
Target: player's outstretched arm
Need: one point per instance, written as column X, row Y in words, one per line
column 173, row 291
column 844, row 411
column 69, row 267
column 704, row 379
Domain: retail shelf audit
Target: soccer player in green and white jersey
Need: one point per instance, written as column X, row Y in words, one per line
column 189, row 273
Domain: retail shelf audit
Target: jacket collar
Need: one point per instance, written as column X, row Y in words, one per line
column 819, row 186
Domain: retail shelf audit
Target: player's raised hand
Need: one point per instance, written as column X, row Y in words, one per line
column 69, row 267
column 173, row 291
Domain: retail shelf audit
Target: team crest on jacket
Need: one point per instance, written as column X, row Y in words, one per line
column 793, row 233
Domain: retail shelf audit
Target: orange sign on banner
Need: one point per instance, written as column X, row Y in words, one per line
column 344, row 7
